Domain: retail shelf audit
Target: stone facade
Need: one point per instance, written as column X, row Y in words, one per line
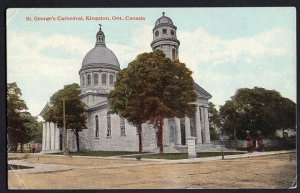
column 109, row 132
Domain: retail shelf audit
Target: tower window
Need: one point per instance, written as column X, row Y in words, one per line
column 97, row 126
column 108, row 134
column 164, row 31
column 111, row 79
column 103, row 79
column 172, row 32
column 122, row 126
column 156, row 33
column 89, row 80
column 173, row 54
column 95, row 79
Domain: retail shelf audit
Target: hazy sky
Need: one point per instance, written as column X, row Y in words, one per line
column 226, row 48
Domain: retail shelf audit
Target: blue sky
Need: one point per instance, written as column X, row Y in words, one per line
column 226, row 48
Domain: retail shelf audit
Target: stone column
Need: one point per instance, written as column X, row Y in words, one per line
column 178, row 131
column 198, row 126
column 206, row 126
column 44, row 137
column 48, row 137
column 166, row 132
column 52, row 135
column 187, row 127
column 56, row 137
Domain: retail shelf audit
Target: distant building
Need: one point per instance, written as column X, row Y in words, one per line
column 107, row 131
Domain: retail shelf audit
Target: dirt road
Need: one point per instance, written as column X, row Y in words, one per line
column 276, row 171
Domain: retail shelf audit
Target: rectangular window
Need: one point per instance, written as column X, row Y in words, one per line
column 122, row 126
column 164, row 31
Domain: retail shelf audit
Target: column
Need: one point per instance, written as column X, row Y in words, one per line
column 206, row 126
column 187, row 127
column 178, row 131
column 166, row 132
column 48, row 137
column 44, row 137
column 52, row 135
column 56, row 137
column 198, row 126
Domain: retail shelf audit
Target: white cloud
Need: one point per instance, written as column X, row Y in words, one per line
column 43, row 64
column 222, row 65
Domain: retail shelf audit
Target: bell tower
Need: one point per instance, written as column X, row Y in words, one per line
column 164, row 37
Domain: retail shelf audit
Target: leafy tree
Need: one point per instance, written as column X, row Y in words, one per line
column 214, row 121
column 257, row 109
column 152, row 88
column 30, row 128
column 74, row 110
column 22, row 126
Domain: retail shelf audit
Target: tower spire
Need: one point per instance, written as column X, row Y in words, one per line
column 100, row 37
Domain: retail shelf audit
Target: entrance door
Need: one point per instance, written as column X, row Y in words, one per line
column 60, row 141
column 182, row 127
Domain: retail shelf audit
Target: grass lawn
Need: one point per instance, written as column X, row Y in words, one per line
column 270, row 149
column 16, row 167
column 99, row 153
column 175, row 156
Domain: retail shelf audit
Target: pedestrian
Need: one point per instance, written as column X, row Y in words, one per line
column 249, row 143
column 260, row 141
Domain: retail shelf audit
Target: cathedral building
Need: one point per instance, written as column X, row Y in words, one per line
column 109, row 132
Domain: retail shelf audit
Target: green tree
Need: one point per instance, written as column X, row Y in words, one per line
column 30, row 129
column 74, row 110
column 152, row 88
column 22, row 126
column 214, row 121
column 257, row 109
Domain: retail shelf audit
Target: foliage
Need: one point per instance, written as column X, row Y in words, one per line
column 257, row 109
column 152, row 88
column 22, row 126
column 74, row 110
column 214, row 121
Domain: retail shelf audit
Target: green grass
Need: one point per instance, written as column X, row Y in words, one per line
column 175, row 156
column 16, row 167
column 212, row 154
column 270, row 149
column 99, row 153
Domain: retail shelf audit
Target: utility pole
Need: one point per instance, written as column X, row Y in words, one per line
column 66, row 150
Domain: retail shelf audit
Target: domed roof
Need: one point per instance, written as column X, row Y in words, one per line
column 100, row 55
column 163, row 19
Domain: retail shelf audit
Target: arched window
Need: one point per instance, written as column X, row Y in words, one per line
column 122, row 126
column 96, row 126
column 89, row 80
column 95, row 79
column 103, row 79
column 111, row 79
column 82, row 81
column 173, row 54
column 108, row 118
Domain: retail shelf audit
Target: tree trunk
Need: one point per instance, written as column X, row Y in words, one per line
column 21, row 147
column 160, row 136
column 140, row 138
column 77, row 139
